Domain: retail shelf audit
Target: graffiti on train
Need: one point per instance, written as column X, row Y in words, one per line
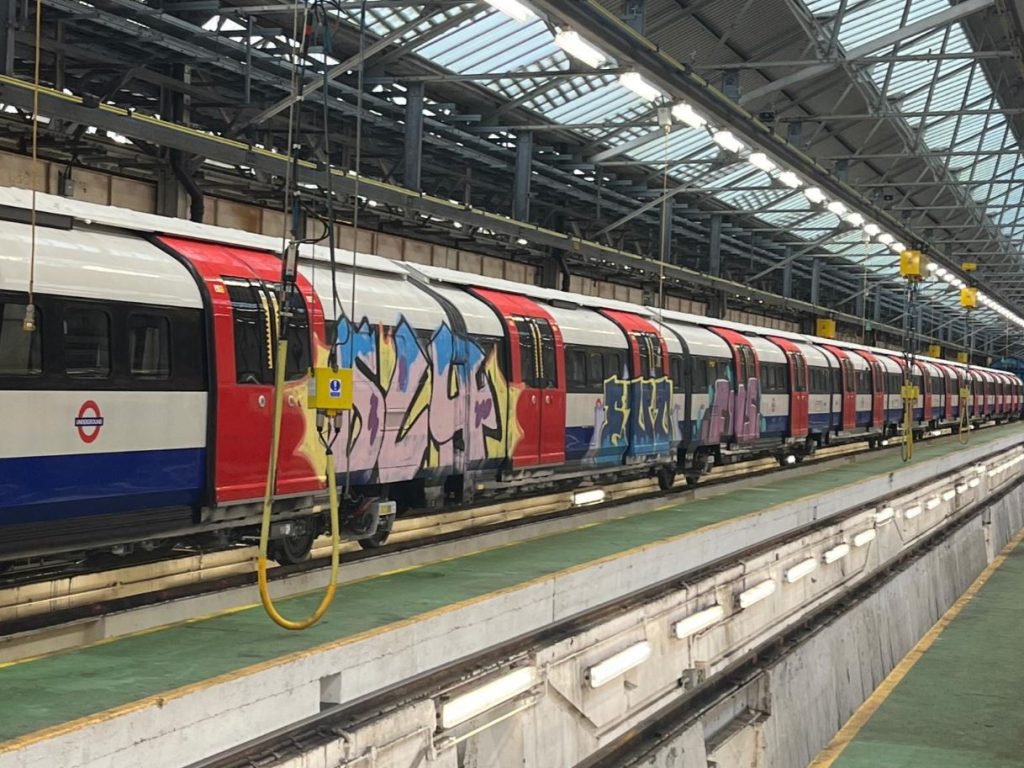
column 635, row 414
column 730, row 412
column 421, row 403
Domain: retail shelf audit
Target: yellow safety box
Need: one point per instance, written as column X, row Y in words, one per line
column 913, row 265
column 826, row 328
column 331, row 390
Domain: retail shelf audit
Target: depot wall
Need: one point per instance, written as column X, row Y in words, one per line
column 109, row 189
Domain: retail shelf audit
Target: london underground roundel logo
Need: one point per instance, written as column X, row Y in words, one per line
column 89, row 421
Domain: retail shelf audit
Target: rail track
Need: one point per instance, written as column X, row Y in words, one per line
column 49, row 614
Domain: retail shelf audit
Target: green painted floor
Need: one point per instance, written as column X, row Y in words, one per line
column 960, row 704
column 56, row 689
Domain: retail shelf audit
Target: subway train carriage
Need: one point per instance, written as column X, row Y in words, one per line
column 139, row 411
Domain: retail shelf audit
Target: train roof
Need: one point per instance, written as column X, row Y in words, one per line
column 64, row 212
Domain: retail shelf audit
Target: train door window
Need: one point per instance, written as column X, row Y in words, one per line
column 529, row 361
column 298, row 361
column 21, row 353
column 149, row 346
column 595, row 371
column 86, row 342
column 799, row 372
column 675, row 364
column 650, row 355
column 863, row 382
column 576, row 369
column 251, row 326
column 837, row 384
column 549, row 369
column 613, row 365
column 699, row 378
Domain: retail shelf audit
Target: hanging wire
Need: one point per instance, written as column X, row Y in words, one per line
column 29, row 323
column 360, row 71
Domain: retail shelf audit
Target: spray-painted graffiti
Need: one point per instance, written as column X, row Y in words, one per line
column 635, row 415
column 421, row 404
column 731, row 413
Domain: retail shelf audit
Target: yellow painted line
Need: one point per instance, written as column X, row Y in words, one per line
column 160, row 700
column 868, row 709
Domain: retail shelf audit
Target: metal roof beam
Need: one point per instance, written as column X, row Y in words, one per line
column 906, row 32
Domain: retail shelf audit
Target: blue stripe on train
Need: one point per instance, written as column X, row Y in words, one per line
column 40, row 488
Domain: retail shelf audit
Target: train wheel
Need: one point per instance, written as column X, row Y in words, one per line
column 291, row 549
column 692, row 480
column 380, row 536
column 666, row 478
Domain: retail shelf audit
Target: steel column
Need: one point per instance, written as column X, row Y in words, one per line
column 816, row 281
column 414, row 137
column 7, row 37
column 787, row 281
column 524, row 173
column 715, row 246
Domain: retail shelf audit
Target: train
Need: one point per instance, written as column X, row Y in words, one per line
column 138, row 413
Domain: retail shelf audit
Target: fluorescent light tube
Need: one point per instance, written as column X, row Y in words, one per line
column 757, row 593
column 727, row 140
column 790, row 179
column 814, row 194
column 635, row 82
column 948, row 495
column 698, row 621
column 864, row 537
column 569, row 40
column 932, row 503
column 489, row 695
column 513, row 8
column 837, row 208
column 837, row 553
column 801, row 569
column 619, row 664
column 884, row 516
column 684, row 113
column 762, row 161
column 589, row 496
column 855, row 219
column 974, row 482
column 961, row 488
column 871, row 229
column 885, row 238
column 898, row 247
column 911, row 512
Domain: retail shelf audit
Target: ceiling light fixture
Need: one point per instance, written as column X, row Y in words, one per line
column 635, row 82
column 762, row 161
column 569, row 40
column 815, row 195
column 727, row 140
column 513, row 9
column 790, row 179
column 684, row 113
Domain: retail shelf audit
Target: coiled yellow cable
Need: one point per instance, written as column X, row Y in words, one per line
column 268, row 502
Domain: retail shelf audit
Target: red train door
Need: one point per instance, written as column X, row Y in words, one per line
column 926, row 392
column 798, row 407
column 848, row 387
column 948, row 376
column 746, row 411
column 243, row 301
column 537, row 377
column 877, row 389
column 650, row 390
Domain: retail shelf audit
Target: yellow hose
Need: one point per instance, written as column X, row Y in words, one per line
column 964, row 435
column 268, row 501
column 907, row 446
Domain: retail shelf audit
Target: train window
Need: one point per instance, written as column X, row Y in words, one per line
column 819, row 381
column 149, row 346
column 21, row 353
column 613, row 365
column 862, row 381
column 799, row 372
column 296, row 332
column 86, row 342
column 576, row 370
column 252, row 350
column 700, row 375
column 549, row 369
column 675, row 364
column 837, row 385
column 529, row 361
column 595, row 370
